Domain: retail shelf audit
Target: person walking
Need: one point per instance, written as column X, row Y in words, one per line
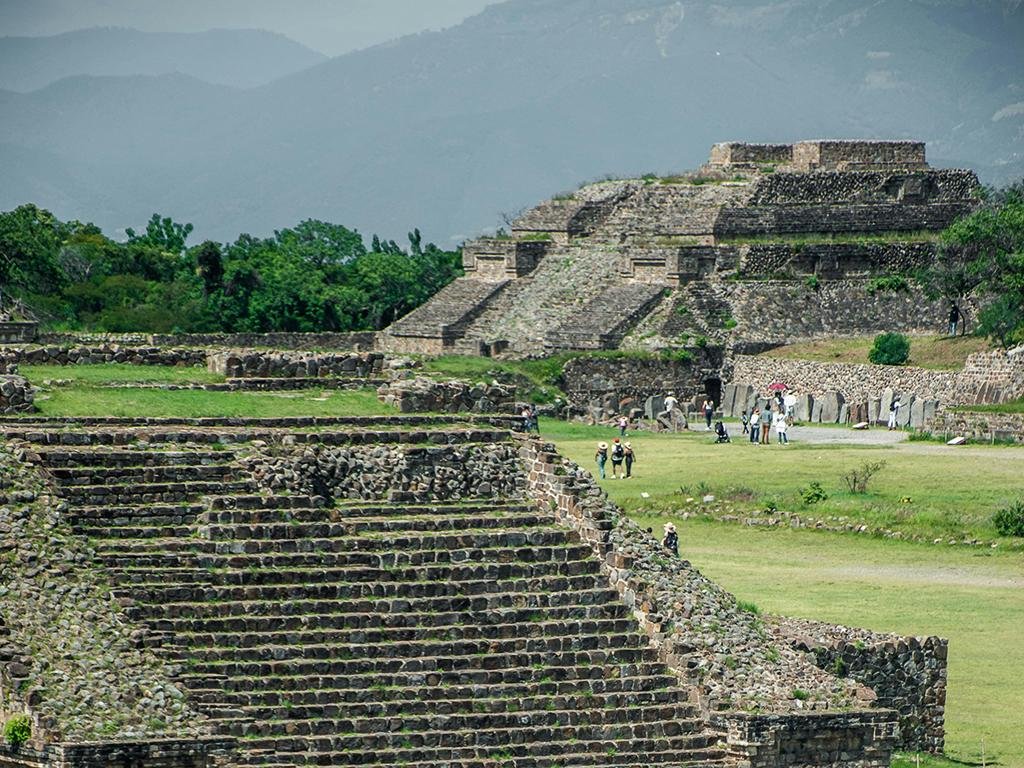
column 708, row 406
column 671, row 539
column 534, row 418
column 601, row 457
column 755, row 425
column 630, row 458
column 623, row 423
column 618, row 456
column 745, row 420
column 780, row 429
column 766, row 425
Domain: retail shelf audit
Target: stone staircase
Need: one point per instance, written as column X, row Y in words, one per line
column 698, row 310
column 443, row 318
column 606, row 320
column 463, row 634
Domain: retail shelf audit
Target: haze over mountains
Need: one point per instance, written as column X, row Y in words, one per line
column 446, row 130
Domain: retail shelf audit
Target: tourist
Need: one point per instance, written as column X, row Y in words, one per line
column 618, row 456
column 534, row 418
column 601, row 457
column 780, row 428
column 671, row 539
column 766, row 424
column 708, row 406
column 954, row 318
column 670, row 402
column 894, row 411
column 745, row 420
column 623, row 423
column 789, row 401
column 527, row 421
column 755, row 425
column 630, row 458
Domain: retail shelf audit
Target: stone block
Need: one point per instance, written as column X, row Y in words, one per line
column 844, row 413
column 804, row 407
column 654, row 405
column 874, row 404
column 728, row 398
column 903, row 417
column 816, row 412
column 831, row 404
column 883, row 405
column 917, row 414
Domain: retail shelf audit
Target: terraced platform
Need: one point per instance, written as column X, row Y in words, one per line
column 465, row 633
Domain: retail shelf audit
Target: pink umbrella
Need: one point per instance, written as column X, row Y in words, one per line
column 778, row 386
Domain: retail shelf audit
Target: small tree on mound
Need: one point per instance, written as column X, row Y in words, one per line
column 890, row 349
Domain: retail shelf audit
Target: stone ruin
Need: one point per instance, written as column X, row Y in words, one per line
column 765, row 244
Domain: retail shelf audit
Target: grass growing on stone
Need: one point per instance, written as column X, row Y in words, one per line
column 99, row 401
column 925, row 490
column 936, row 352
column 973, row 597
column 1017, row 406
column 115, row 373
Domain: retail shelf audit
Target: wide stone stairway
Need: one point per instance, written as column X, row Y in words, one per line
column 463, row 633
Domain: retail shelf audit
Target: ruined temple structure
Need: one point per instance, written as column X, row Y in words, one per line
column 765, row 244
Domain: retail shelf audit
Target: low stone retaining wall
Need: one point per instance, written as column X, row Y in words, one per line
column 357, row 341
column 14, row 332
column 423, row 395
column 979, row 426
column 16, row 394
column 107, row 353
column 392, row 472
column 907, row 673
column 250, row 363
column 602, row 387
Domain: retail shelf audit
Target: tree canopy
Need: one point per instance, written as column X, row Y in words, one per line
column 315, row 276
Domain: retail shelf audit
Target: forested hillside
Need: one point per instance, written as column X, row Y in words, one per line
column 314, row 276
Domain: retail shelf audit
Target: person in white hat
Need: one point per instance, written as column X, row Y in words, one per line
column 671, row 540
column 601, row 457
column 630, row 458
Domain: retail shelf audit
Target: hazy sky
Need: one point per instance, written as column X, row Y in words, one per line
column 330, row 26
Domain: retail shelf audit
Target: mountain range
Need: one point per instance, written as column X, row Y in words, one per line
column 449, row 130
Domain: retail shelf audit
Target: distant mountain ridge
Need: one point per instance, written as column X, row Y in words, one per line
column 446, row 130
column 238, row 57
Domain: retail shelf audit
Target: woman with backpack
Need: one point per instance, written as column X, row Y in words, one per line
column 671, row 539
column 618, row 457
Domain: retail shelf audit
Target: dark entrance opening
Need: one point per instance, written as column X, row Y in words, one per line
column 713, row 390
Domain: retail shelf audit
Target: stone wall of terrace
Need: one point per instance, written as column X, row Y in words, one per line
column 249, row 363
column 16, row 394
column 355, row 341
column 105, row 353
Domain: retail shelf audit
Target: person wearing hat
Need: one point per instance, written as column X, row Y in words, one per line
column 671, row 540
column 602, row 458
column 630, row 458
column 618, row 456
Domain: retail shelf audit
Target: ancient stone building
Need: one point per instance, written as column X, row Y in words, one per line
column 765, row 244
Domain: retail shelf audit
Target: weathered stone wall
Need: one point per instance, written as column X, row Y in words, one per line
column 712, row 644
column 12, row 332
column 106, row 353
column 396, row 472
column 16, row 394
column 832, row 261
column 811, row 155
column 423, row 395
column 979, row 426
column 907, row 673
column 250, row 363
column 863, row 187
column 610, row 385
column 355, row 341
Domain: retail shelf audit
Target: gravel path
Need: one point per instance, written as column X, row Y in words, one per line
column 831, row 435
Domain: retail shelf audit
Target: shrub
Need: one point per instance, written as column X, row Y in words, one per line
column 890, row 349
column 813, row 493
column 891, row 283
column 17, row 730
column 749, row 607
column 1009, row 521
column 857, row 479
column 812, row 282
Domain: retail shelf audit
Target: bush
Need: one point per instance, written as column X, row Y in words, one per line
column 857, row 479
column 813, row 493
column 17, row 730
column 1009, row 521
column 890, row 349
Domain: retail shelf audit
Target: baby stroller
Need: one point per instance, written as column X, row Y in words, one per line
column 721, row 435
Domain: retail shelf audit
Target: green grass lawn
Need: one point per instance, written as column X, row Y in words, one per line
column 925, row 490
column 973, row 597
column 113, row 373
column 100, row 401
column 939, row 352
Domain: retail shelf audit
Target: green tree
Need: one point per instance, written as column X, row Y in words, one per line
column 30, row 243
column 163, row 233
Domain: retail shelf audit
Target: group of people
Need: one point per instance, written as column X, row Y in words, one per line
column 530, row 419
column 777, row 412
column 620, row 454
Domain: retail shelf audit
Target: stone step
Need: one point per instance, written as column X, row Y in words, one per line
column 536, row 601
column 382, row 700
column 150, row 515
column 107, row 459
column 658, row 717
column 96, row 495
column 286, row 707
column 211, row 572
column 68, row 477
column 375, row 527
column 270, row 509
column 397, row 519
column 399, row 623
column 353, row 592
column 417, row 648
column 159, row 553
column 240, row 638
column 340, row 679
